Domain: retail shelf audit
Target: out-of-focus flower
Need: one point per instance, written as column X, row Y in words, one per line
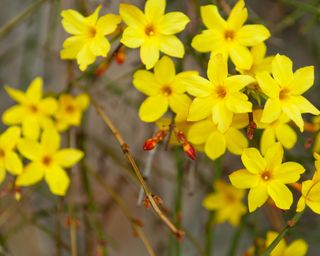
column 266, row 176
column 9, row 159
column 220, row 96
column 226, row 201
column 88, row 38
column 70, row 110
column 164, row 89
column 153, row 31
column 284, row 91
column 47, row 161
column 278, row 130
column 32, row 112
column 229, row 37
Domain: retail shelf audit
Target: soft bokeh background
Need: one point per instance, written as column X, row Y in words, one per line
column 37, row 225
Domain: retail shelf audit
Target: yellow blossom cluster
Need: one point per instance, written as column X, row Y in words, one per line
column 35, row 122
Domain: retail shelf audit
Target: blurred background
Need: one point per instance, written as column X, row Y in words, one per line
column 31, row 37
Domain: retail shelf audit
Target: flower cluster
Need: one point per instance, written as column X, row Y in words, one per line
column 33, row 134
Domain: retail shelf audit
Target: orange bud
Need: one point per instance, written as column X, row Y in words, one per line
column 149, row 144
column 101, row 69
column 189, row 150
column 120, row 56
column 158, row 137
column 250, row 131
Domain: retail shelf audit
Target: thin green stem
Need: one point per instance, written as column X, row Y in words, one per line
column 303, row 6
column 236, row 237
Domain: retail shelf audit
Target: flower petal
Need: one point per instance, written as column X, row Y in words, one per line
column 50, row 141
column 200, row 131
column 2, row 174
column 180, row 104
column 72, row 46
column 182, row 81
column 149, row 53
column 238, row 82
column 32, row 174
column 268, row 85
column 15, row 94
column 302, row 80
column 274, row 156
column 238, row 102
column 172, row 23
column 243, row 179
column 13, row 163
column 215, row 145
column 253, row 161
column 217, row 69
column 314, row 206
column 14, row 115
column 271, row 111
column 154, row 9
column 298, row 247
column 132, row 16
column 132, row 37
column 212, row 202
column 153, row 108
column 211, row 18
column 208, row 40
column 199, row 86
column 58, row 180
column 30, row 149
column 68, row 157
column 48, row 106
column 280, row 194
column 288, row 172
column 222, row 116
column 164, row 71
column 34, row 91
column 108, row 23
column 73, row 22
column 292, row 111
column 100, row 46
column 286, row 135
column 200, row 108
column 282, row 69
column 171, row 46
column 145, row 82
column 257, row 196
column 85, row 57
column 251, row 35
column 236, row 141
column 10, row 138
column 304, row 105
column 238, row 15
column 240, row 56
column 31, row 128
column 268, row 138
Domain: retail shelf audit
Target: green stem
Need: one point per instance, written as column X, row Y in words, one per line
column 303, row 6
column 276, row 241
column 236, row 238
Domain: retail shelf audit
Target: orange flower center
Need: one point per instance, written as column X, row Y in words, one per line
column 149, row 30
column 229, row 35
column 166, row 90
column 284, row 94
column 2, row 153
column 266, row 175
column 70, row 109
column 92, row 32
column 33, row 108
column 230, row 198
column 221, row 92
column 47, row 160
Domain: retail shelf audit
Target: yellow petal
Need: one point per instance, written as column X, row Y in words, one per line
column 302, row 80
column 257, row 197
column 13, row 163
column 13, row 115
column 274, row 156
column 301, row 205
column 145, row 82
column 282, row 69
column 2, row 174
column 15, row 94
column 238, row 102
column 238, row 82
column 314, row 206
column 211, row 18
column 108, row 23
column 92, row 19
column 164, row 71
column 212, row 202
column 72, row 46
column 34, row 91
column 251, row 35
column 31, row 128
column 153, row 108
column 100, row 46
column 267, row 139
column 154, row 9
column 58, row 180
column 171, row 46
column 280, row 194
column 73, row 22
column 200, row 131
column 244, row 179
column 10, row 138
column 132, row 37
column 199, row 86
column 271, row 111
column 68, row 157
column 253, row 161
column 32, row 174
column 149, row 53
column 30, row 149
column 200, row 108
column 258, row 52
column 238, row 15
column 208, row 40
column 286, row 135
column 215, row 145
column 240, row 56
column 236, row 141
column 279, row 249
column 298, row 248
column 288, row 172
column 83, row 101
column 50, row 141
column 182, row 81
column 179, row 104
column 172, row 23
column 132, row 16
column 268, row 85
column 292, row 111
column 304, row 105
column 221, row 116
column 217, row 69
column 48, row 106
column 85, row 57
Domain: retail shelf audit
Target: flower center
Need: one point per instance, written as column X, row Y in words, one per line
column 47, row 160
column 284, row 94
column 229, row 35
column 149, row 30
column 166, row 90
column 92, row 31
column 33, row 108
column 266, row 175
column 70, row 109
column 221, row 92
column 2, row 153
column 230, row 198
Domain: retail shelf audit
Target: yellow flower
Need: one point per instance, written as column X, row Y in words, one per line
column 260, row 62
column 310, row 190
column 9, row 159
column 220, row 96
column 297, row 248
column 231, row 37
column 47, row 161
column 32, row 112
column 215, row 142
column 266, row 176
column 226, row 201
column 88, row 38
column 153, row 31
column 70, row 110
column 284, row 91
column 278, row 130
column 164, row 89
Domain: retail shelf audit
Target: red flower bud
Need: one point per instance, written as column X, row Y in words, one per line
column 149, row 144
column 189, row 150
